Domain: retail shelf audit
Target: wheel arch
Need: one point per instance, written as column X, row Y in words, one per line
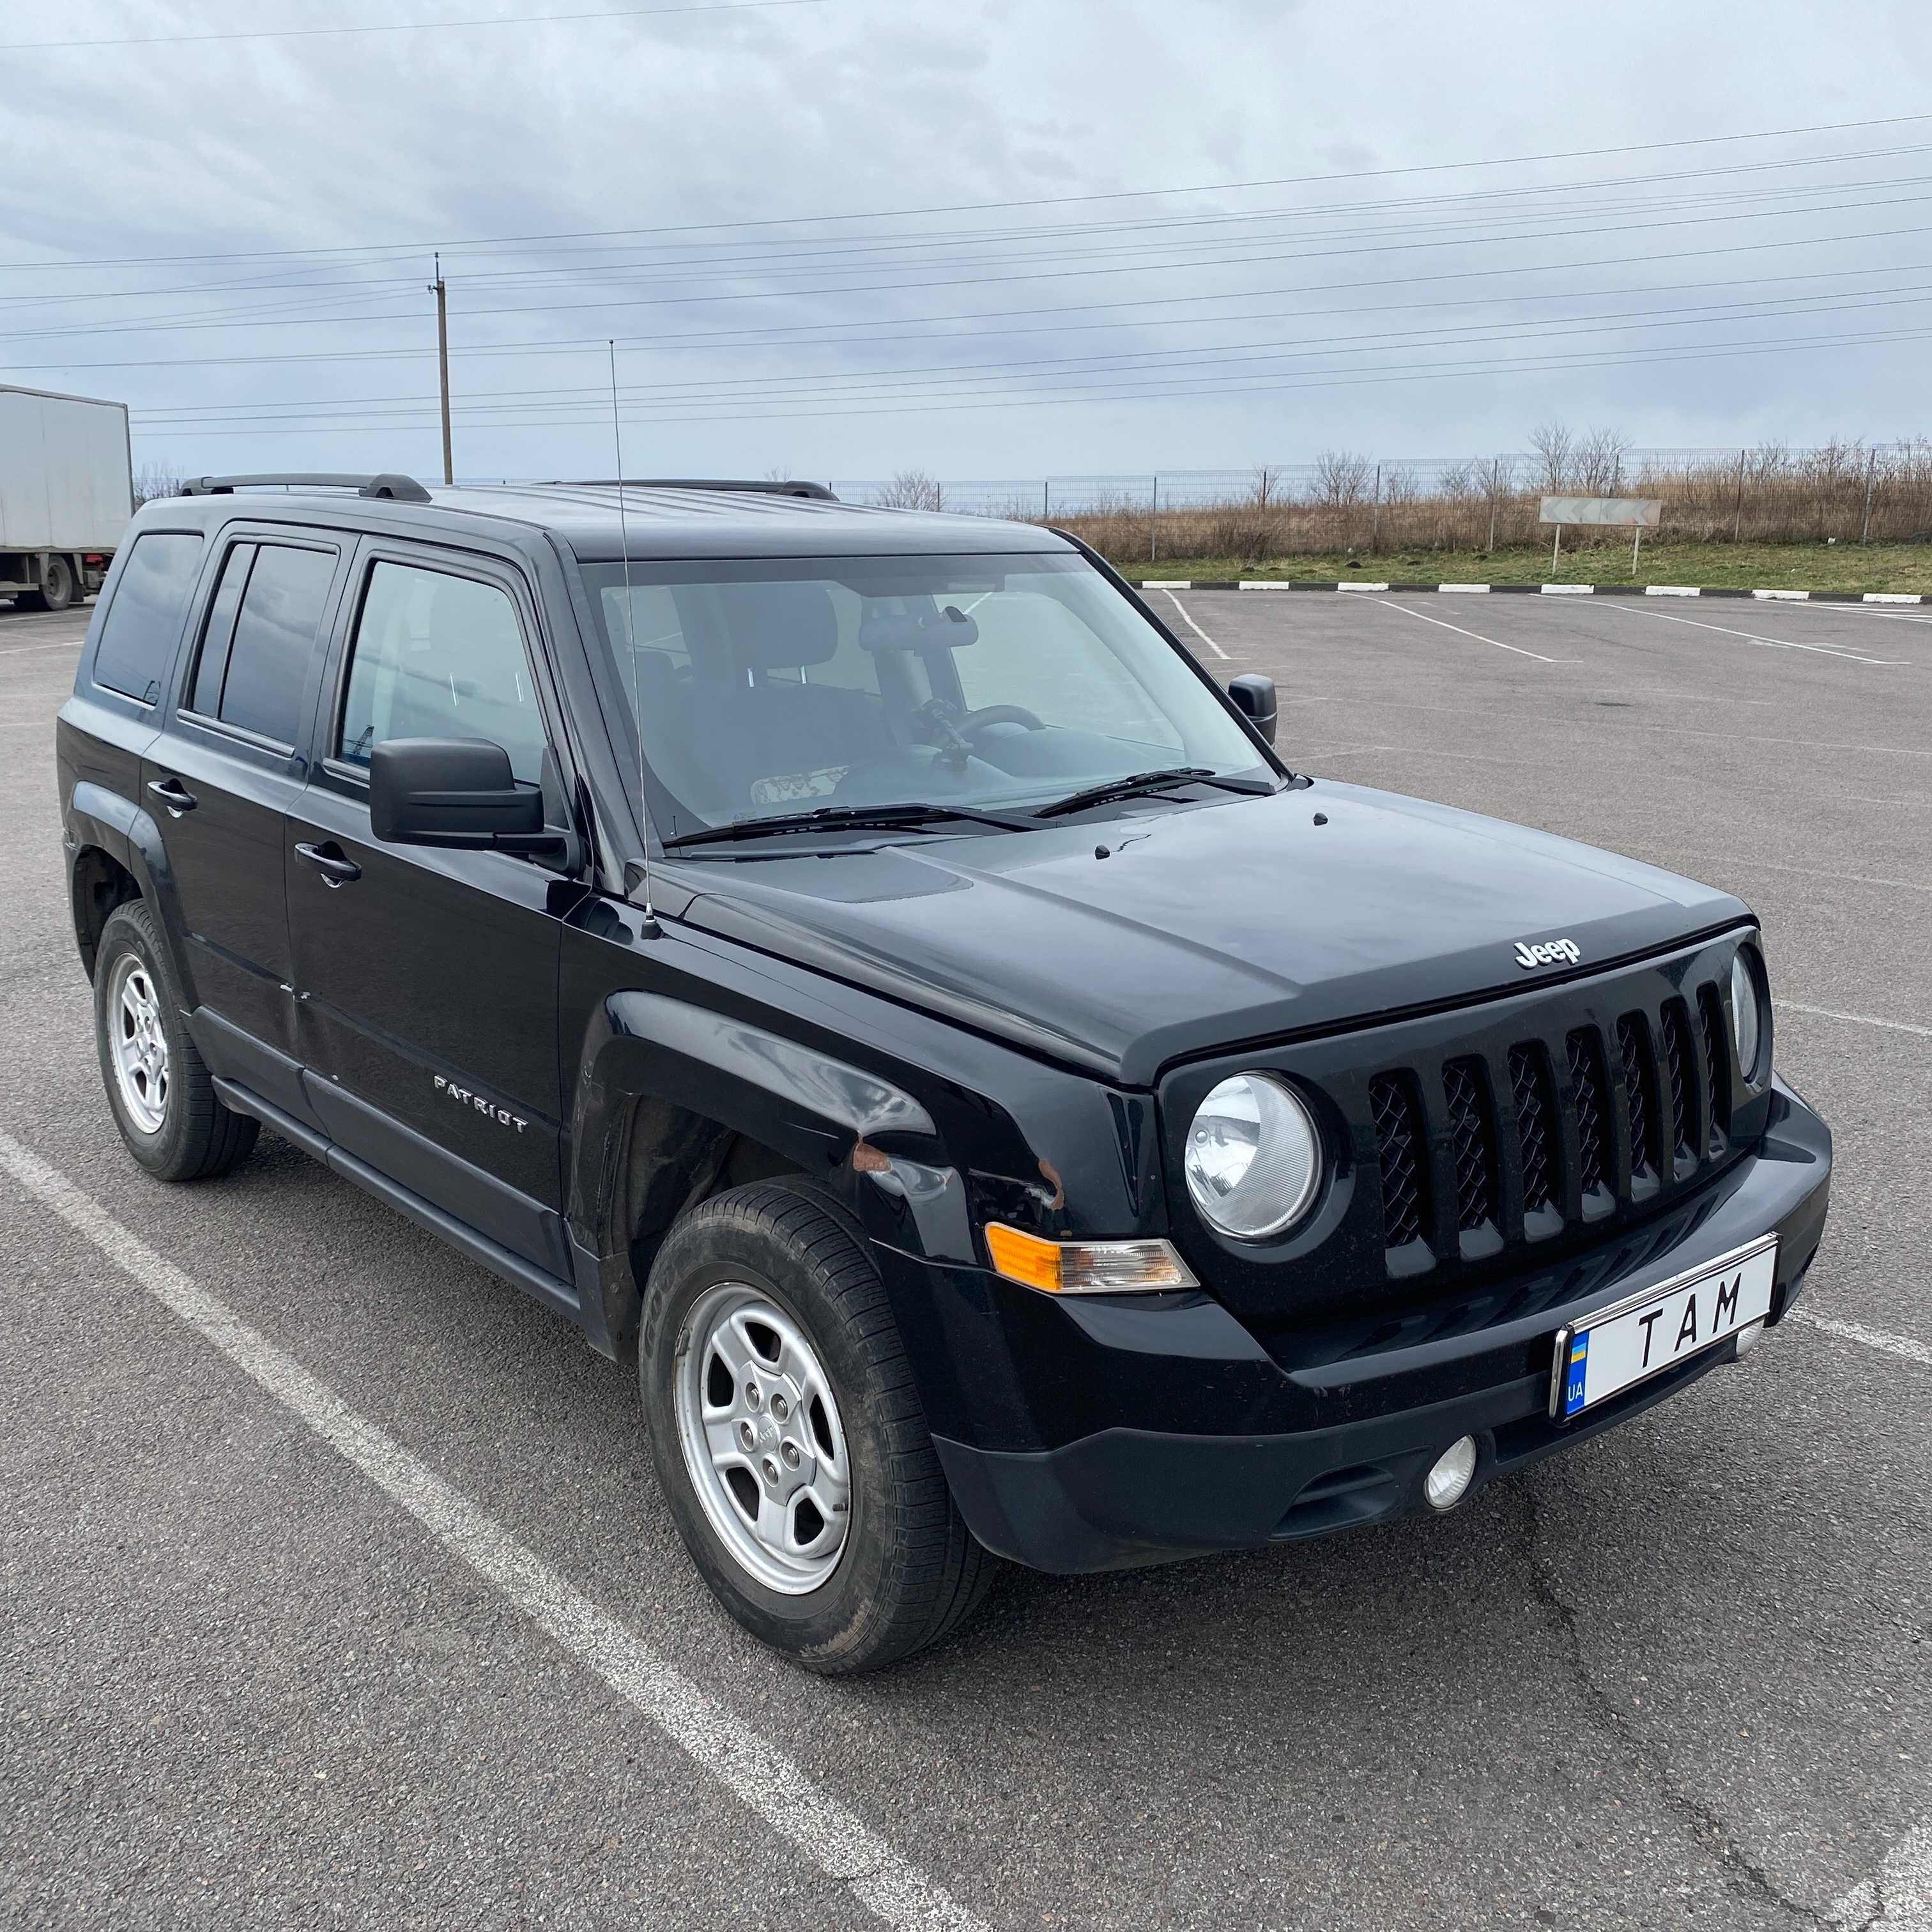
column 116, row 854
column 676, row 1103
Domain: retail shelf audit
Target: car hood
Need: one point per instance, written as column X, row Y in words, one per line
column 1205, row 926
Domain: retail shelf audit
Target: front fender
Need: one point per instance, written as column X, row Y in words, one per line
column 921, row 1129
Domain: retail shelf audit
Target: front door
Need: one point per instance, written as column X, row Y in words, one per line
column 427, row 979
column 222, row 774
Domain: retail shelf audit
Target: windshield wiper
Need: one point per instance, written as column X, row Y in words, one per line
column 907, row 818
column 1146, row 781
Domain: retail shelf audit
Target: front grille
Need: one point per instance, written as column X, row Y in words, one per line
column 1640, row 1078
column 1536, row 1122
column 1474, row 1143
column 1405, row 1157
column 1717, row 1065
column 1593, row 1112
column 1684, row 1124
column 1511, row 1144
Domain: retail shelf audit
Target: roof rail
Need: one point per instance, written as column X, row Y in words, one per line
column 402, row 489
column 817, row 492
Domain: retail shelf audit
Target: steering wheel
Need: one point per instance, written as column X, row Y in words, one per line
column 974, row 722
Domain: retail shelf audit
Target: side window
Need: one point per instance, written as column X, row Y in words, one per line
column 218, row 635
column 138, row 634
column 260, row 636
column 439, row 656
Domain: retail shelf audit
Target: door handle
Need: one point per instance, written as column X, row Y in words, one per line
column 173, row 794
column 328, row 861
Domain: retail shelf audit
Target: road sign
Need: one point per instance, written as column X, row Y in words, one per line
column 1617, row 512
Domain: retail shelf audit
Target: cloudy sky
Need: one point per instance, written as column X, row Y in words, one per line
column 988, row 239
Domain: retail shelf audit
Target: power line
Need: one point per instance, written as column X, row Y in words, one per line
column 731, row 338
column 982, row 281
column 943, row 375
column 832, row 246
column 449, row 245
column 1595, row 359
column 407, row 26
column 914, row 383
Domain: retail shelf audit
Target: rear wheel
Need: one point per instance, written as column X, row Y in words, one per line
column 788, row 1439
column 164, row 1102
column 56, row 590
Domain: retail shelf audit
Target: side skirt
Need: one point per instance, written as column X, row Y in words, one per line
column 560, row 1295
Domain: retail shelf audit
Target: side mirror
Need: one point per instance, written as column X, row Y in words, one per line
column 454, row 792
column 1254, row 699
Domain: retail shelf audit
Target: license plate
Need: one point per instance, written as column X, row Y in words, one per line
column 1662, row 1326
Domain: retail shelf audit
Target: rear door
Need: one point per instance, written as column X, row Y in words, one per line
column 219, row 779
column 428, row 979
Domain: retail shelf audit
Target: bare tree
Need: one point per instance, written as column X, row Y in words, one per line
column 1555, row 450
column 1268, row 486
column 1341, row 480
column 153, row 480
column 912, row 490
column 1599, row 461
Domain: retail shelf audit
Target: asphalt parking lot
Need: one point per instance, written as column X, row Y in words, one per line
column 1680, row 1677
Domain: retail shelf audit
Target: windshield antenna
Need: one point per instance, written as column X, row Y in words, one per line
column 650, row 929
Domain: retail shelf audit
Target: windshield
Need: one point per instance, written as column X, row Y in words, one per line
column 766, row 689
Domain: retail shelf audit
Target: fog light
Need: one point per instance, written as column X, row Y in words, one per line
column 1448, row 1482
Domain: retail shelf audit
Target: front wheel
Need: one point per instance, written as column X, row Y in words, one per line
column 788, row 1440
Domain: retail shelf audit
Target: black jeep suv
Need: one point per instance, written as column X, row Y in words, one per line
column 861, row 964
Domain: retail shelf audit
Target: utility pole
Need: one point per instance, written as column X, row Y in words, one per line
column 1871, row 475
column 1153, row 522
column 441, row 292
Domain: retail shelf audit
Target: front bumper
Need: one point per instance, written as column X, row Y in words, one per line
column 1191, row 1438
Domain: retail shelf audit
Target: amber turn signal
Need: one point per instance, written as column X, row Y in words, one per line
column 1086, row 1267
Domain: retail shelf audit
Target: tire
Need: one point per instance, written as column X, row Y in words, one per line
column 779, row 1258
column 169, row 1113
column 56, row 593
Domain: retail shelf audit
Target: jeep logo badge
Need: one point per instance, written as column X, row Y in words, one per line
column 1548, row 953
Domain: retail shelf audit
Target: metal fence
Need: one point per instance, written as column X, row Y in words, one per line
column 1853, row 492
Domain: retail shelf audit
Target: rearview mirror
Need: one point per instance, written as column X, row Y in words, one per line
column 1255, row 700
column 454, row 792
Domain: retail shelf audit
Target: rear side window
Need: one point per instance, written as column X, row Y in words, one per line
column 439, row 656
column 138, row 634
column 261, row 634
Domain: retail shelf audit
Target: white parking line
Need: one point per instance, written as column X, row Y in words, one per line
column 1900, row 1898
column 1859, row 1019
column 22, row 650
column 1195, row 627
column 1749, row 637
column 1389, row 603
column 1869, row 1338
column 761, row 1776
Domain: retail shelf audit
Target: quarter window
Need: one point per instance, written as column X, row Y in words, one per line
column 260, row 637
column 440, row 656
column 144, row 621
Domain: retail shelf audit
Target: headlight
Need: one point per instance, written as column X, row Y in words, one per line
column 1747, row 1016
column 1253, row 1161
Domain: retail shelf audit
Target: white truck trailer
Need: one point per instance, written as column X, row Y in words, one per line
column 67, row 491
